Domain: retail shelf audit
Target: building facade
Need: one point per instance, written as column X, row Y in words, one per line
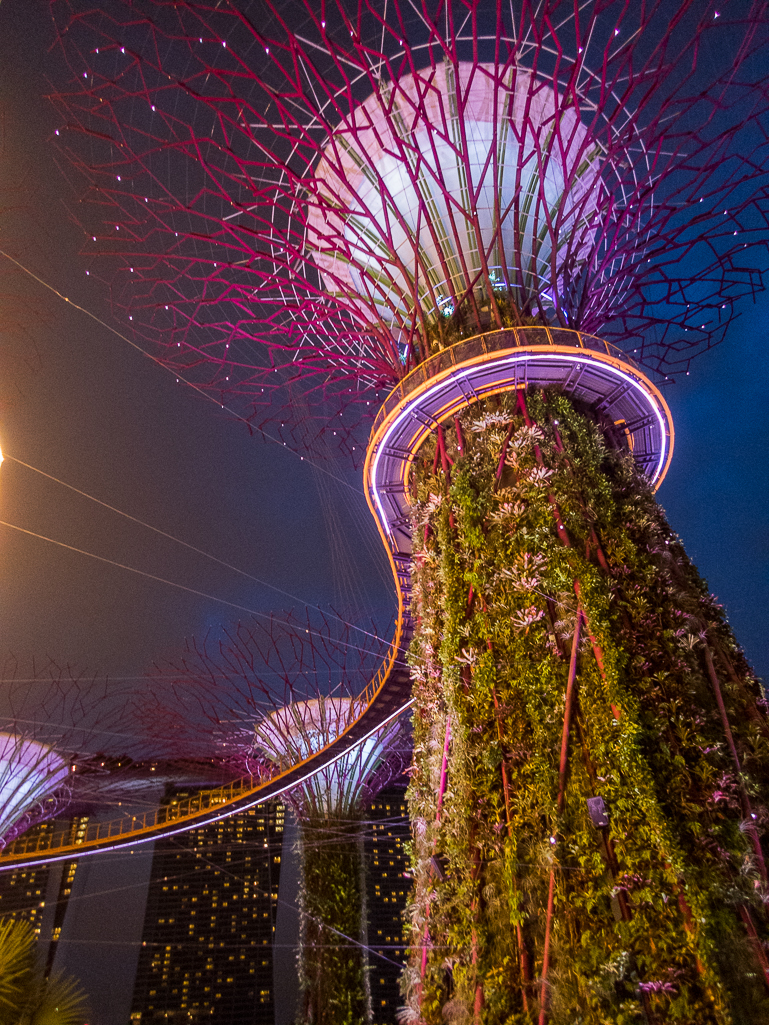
column 40, row 894
column 23, row 891
column 206, row 952
column 387, row 831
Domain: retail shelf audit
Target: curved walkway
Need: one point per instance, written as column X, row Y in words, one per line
column 585, row 368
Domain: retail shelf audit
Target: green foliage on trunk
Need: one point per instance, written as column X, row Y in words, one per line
column 651, row 914
column 332, row 969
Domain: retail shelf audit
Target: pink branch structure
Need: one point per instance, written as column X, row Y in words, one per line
column 261, row 695
column 304, row 202
column 68, row 744
column 54, row 727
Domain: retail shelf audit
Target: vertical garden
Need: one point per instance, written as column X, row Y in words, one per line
column 591, row 749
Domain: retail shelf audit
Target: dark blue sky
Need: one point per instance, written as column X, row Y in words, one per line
column 79, row 403
column 716, row 494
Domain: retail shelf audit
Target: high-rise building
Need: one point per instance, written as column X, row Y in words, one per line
column 23, row 891
column 206, row 951
column 387, row 830
column 40, row 894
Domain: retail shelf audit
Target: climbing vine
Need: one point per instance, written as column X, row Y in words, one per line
column 609, row 870
column 332, row 968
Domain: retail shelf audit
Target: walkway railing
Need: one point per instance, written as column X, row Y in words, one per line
column 490, row 342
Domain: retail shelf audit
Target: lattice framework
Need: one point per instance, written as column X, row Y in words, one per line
column 225, row 146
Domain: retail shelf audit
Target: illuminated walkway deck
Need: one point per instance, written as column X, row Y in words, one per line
column 587, row 369
column 590, row 371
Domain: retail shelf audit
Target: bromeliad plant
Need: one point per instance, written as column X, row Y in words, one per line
column 591, row 748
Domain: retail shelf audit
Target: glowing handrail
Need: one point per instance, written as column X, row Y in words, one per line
column 512, row 338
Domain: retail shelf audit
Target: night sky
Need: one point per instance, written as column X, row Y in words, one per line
column 80, row 404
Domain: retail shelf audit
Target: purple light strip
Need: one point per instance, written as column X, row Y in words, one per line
column 506, row 362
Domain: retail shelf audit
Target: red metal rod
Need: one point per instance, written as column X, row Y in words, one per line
column 597, row 652
column 559, row 807
column 446, row 460
column 593, row 536
column 755, row 942
column 506, row 789
column 444, row 769
column 441, row 792
column 567, row 711
column 521, row 399
column 747, row 809
column 503, row 454
column 546, row 955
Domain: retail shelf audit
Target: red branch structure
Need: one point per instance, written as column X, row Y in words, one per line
column 300, row 202
column 54, row 726
column 69, row 744
column 212, row 697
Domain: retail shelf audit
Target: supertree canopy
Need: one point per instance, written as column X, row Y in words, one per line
column 307, row 201
column 518, row 221
column 303, row 727
column 53, row 727
column 68, row 747
column 30, row 772
column 263, row 693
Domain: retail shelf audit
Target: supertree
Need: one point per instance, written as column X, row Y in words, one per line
column 449, row 202
column 53, row 725
column 263, row 693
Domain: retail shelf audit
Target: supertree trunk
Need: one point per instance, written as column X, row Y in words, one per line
column 590, row 746
column 333, row 970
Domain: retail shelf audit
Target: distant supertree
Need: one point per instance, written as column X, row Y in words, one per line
column 271, row 693
column 30, row 774
column 448, row 202
column 53, row 727
column 67, row 746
